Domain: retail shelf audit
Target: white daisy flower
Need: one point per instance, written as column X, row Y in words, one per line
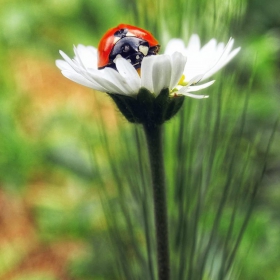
column 179, row 69
column 203, row 62
column 157, row 72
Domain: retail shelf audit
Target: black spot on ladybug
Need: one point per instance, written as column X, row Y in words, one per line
column 121, row 33
column 125, row 48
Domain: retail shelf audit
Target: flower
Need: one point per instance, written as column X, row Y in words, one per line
column 179, row 69
column 202, row 62
column 157, row 72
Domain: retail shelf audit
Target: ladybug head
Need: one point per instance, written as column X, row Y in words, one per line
column 133, row 49
column 127, row 41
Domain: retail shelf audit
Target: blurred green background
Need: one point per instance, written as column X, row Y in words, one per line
column 51, row 219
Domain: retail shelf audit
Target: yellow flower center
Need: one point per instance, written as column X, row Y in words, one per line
column 182, row 81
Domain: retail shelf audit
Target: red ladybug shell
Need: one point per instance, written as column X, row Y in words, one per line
column 108, row 41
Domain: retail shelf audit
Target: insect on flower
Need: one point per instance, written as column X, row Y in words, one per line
column 127, row 41
column 123, row 51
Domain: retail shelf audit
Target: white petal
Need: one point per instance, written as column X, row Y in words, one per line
column 195, row 88
column 72, row 63
column 161, row 73
column 221, row 64
column 76, row 77
column 194, row 43
column 203, row 61
column 111, row 80
column 178, row 62
column 63, row 65
column 123, row 84
column 146, row 73
column 210, row 47
column 195, row 96
column 128, row 72
column 174, row 45
column 195, row 80
column 223, row 59
column 87, row 56
column 83, row 70
column 220, row 49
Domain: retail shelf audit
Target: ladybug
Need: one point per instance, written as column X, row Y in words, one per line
column 131, row 42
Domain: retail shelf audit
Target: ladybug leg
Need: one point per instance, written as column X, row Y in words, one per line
column 154, row 50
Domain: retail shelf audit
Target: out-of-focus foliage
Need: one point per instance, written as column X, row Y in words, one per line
column 52, row 224
column 48, row 23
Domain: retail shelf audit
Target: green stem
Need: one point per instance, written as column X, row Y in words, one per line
column 154, row 141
